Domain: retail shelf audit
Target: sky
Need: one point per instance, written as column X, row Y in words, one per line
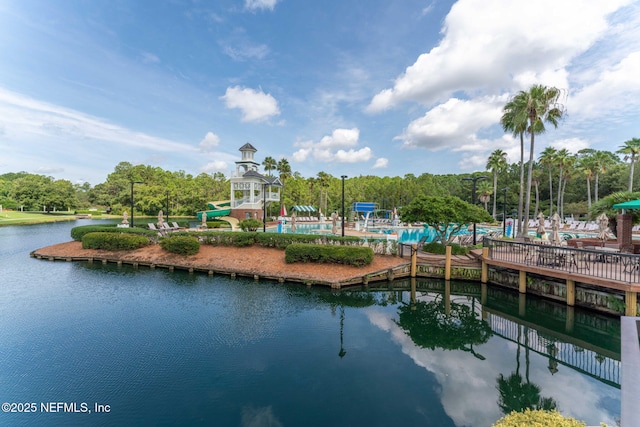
column 345, row 87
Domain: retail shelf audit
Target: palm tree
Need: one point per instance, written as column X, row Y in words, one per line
column 531, row 110
column 631, row 150
column 511, row 124
column 561, row 160
column 484, row 194
column 587, row 165
column 568, row 172
column 284, row 169
column 269, row 164
column 602, row 161
column 547, row 158
column 497, row 162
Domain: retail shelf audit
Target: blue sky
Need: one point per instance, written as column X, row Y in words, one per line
column 345, row 87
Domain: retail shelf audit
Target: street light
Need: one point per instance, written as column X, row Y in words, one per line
column 264, row 207
column 504, row 211
column 473, row 199
column 167, row 206
column 343, row 178
column 133, row 182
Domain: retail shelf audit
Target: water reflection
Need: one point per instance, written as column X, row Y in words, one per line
column 425, row 352
column 565, row 351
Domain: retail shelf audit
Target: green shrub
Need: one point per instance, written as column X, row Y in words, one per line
column 537, row 418
column 349, row 255
column 440, row 249
column 183, row 245
column 78, row 232
column 250, row 224
column 113, row 241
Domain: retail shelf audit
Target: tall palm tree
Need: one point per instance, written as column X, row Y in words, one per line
column 484, row 194
column 602, row 161
column 284, row 169
column 561, row 160
column 548, row 158
column 568, row 172
column 531, row 110
column 631, row 150
column 587, row 166
column 269, row 164
column 510, row 123
column 496, row 163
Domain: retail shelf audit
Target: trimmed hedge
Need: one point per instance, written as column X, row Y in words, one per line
column 113, row 241
column 349, row 255
column 537, row 418
column 78, row 232
column 183, row 245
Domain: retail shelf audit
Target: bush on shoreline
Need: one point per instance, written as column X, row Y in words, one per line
column 77, row 233
column 113, row 241
column 538, row 418
column 348, row 255
column 183, row 245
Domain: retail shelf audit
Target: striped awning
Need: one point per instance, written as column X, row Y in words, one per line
column 304, row 208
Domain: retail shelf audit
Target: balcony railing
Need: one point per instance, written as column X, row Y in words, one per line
column 603, row 263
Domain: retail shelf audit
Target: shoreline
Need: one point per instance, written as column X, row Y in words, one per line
column 255, row 261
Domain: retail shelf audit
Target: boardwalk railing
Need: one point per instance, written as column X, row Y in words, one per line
column 602, row 264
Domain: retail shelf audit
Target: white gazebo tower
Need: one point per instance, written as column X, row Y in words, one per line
column 250, row 190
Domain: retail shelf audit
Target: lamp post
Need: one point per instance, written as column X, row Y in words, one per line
column 133, row 182
column 264, row 207
column 504, row 211
column 167, row 206
column 474, row 179
column 343, row 178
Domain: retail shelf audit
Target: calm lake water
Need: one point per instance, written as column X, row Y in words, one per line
column 163, row 348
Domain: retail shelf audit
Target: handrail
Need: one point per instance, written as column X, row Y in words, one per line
column 601, row 264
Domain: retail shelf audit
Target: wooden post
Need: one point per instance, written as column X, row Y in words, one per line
column 414, row 259
column 447, row 263
column 631, row 302
column 571, row 319
column 571, row 292
column 522, row 282
column 447, row 297
column 484, row 274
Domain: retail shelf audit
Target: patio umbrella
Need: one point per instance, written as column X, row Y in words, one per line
column 334, row 223
column 160, row 218
column 555, row 226
column 283, row 211
column 603, row 224
column 541, row 230
column 293, row 222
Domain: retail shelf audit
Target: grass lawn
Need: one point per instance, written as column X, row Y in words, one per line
column 25, row 218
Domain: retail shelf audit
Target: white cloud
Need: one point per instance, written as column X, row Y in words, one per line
column 37, row 120
column 615, row 88
column 331, row 148
column 381, row 163
column 260, row 4
column 453, row 124
column 573, row 145
column 209, row 142
column 215, row 166
column 44, row 170
column 353, row 156
column 256, row 106
column 484, row 48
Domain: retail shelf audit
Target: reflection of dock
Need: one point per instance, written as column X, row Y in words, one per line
column 586, row 342
column 601, row 364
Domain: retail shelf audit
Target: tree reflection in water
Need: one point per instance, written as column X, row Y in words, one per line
column 431, row 326
column 517, row 394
